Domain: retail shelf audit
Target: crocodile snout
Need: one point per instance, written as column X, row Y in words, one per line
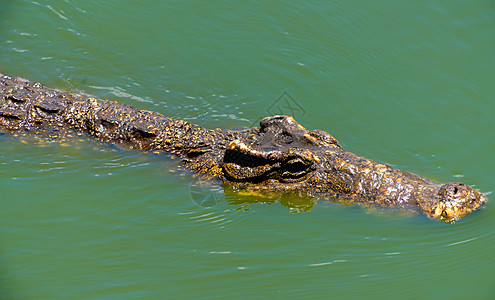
column 456, row 199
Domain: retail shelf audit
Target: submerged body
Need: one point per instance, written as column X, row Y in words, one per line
column 280, row 155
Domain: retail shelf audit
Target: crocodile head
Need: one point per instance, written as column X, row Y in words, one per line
column 283, row 156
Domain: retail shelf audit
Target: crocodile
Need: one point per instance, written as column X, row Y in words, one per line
column 278, row 156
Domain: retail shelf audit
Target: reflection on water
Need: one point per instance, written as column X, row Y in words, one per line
column 242, row 199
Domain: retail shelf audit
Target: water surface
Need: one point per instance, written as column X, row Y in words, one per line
column 408, row 84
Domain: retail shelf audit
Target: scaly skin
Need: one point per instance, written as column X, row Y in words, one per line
column 280, row 155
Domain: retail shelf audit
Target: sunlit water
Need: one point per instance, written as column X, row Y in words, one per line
column 405, row 83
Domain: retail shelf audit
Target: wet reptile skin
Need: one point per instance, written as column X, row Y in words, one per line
column 280, row 155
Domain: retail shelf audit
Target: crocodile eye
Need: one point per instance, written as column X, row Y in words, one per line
column 296, row 167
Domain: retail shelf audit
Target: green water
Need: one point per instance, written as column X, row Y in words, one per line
column 408, row 83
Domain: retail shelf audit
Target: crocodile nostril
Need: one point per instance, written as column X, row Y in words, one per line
column 454, row 190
